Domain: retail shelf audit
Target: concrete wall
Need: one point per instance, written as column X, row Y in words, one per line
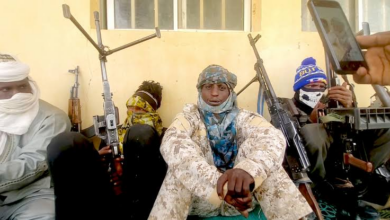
column 38, row 33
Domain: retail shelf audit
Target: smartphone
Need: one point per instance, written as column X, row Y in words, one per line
column 339, row 42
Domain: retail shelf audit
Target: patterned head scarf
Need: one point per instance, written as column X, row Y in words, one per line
column 219, row 120
column 216, row 74
column 150, row 117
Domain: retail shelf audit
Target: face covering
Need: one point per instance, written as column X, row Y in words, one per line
column 149, row 117
column 310, row 97
column 17, row 114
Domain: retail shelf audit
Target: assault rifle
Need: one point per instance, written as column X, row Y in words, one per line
column 106, row 125
column 296, row 157
column 74, row 108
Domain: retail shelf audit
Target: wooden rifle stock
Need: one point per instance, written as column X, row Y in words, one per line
column 74, row 108
column 349, row 159
column 74, row 113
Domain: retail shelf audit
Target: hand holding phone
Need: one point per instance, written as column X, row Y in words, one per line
column 377, row 57
column 337, row 37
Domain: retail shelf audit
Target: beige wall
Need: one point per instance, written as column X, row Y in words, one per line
column 38, row 33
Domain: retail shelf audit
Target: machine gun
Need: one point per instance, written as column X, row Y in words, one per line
column 296, row 157
column 74, row 108
column 106, row 125
column 350, row 123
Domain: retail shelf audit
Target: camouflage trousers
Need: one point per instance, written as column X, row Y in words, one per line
column 278, row 196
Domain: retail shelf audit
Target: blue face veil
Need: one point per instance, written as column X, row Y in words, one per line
column 220, row 120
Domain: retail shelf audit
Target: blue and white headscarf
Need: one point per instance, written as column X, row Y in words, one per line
column 220, row 120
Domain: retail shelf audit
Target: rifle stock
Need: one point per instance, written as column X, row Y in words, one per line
column 349, row 159
column 74, row 113
column 74, row 108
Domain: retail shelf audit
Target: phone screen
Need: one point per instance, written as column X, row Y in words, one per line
column 339, row 34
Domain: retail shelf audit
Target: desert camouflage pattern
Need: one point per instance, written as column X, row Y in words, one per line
column 189, row 187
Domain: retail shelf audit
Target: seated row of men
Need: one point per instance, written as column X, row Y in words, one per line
column 215, row 159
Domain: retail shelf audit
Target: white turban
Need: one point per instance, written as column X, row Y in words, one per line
column 18, row 112
column 11, row 69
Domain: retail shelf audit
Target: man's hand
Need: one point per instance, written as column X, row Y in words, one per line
column 377, row 58
column 313, row 114
column 341, row 94
column 115, row 177
column 238, row 194
column 105, row 150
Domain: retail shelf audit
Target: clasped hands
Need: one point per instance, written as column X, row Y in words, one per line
column 238, row 193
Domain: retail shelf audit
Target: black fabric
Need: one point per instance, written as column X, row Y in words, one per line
column 82, row 183
column 144, row 169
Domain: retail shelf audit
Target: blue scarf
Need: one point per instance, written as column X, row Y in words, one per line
column 221, row 130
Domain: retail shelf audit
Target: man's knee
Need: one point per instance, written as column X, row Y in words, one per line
column 64, row 142
column 142, row 150
column 141, row 135
column 141, row 138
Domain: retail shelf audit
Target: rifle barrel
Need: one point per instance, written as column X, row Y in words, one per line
column 280, row 118
column 77, row 82
column 261, row 66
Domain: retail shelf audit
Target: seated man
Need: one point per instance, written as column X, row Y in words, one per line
column 142, row 106
column 142, row 159
column 223, row 160
column 27, row 124
column 81, row 181
column 309, row 86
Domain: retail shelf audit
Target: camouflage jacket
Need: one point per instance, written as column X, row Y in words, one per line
column 261, row 149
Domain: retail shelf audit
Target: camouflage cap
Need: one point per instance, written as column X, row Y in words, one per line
column 216, row 74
